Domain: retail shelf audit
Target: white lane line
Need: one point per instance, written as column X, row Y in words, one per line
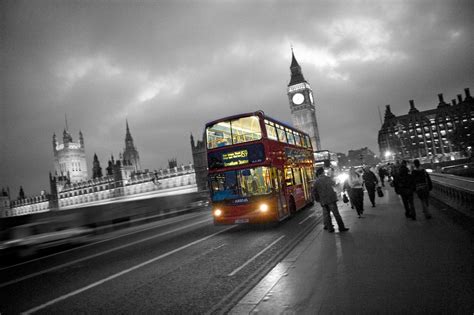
column 101, row 241
column 254, row 257
column 312, row 215
column 96, row 255
column 121, row 273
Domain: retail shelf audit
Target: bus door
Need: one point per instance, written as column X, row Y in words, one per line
column 306, row 188
column 278, row 182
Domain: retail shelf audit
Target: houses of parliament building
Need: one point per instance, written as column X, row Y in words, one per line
column 433, row 135
column 71, row 186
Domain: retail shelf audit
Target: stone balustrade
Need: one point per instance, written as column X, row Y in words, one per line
column 455, row 191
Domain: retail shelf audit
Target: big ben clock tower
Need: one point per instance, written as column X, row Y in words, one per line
column 300, row 96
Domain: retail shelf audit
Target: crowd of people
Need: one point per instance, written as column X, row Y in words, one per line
column 407, row 179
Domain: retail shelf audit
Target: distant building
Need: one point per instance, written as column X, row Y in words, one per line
column 343, row 160
column 71, row 187
column 4, row 203
column 362, row 156
column 200, row 162
column 119, row 184
column 425, row 135
column 303, row 111
column 130, row 157
column 70, row 157
column 24, row 206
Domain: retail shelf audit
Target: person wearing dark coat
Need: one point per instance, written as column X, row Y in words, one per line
column 370, row 181
column 404, row 185
column 382, row 173
column 323, row 191
column 423, row 186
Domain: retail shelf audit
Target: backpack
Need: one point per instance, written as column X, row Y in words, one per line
column 421, row 184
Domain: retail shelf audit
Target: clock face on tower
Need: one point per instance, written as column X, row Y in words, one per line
column 298, row 98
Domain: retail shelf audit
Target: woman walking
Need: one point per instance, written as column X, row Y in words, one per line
column 356, row 191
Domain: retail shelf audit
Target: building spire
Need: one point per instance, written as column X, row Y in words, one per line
column 128, row 135
column 296, row 74
column 65, row 118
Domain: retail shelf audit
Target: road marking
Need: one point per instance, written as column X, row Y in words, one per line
column 96, row 255
column 160, row 223
column 254, row 257
column 121, row 273
column 312, row 215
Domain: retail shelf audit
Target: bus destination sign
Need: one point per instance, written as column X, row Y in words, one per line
column 235, row 158
column 230, row 157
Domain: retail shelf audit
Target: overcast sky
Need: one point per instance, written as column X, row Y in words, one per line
column 171, row 66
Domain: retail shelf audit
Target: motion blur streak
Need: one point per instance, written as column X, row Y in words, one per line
column 35, row 309
column 98, row 254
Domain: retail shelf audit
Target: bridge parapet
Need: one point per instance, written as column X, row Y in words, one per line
column 455, row 191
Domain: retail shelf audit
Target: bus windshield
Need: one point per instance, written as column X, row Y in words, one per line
column 235, row 131
column 242, row 183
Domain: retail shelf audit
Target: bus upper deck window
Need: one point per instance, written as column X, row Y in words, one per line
column 218, row 135
column 282, row 135
column 246, row 129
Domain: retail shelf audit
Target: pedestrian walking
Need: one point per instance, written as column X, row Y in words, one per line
column 404, row 185
column 382, row 173
column 370, row 182
column 423, row 186
column 356, row 190
column 323, row 190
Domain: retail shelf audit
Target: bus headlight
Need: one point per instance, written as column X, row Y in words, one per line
column 217, row 212
column 263, row 207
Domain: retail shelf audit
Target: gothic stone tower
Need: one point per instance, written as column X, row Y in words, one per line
column 200, row 162
column 70, row 157
column 131, row 159
column 300, row 96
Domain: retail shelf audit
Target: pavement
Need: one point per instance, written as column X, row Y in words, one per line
column 385, row 264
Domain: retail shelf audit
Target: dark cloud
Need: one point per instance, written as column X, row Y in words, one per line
column 171, row 66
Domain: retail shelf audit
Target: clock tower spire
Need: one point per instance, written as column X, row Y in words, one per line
column 300, row 97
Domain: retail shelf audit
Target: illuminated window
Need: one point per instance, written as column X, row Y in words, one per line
column 219, row 135
column 298, row 139
column 290, row 136
column 288, row 177
column 246, row 129
column 282, row 135
column 297, row 176
column 240, row 130
column 308, row 142
column 271, row 131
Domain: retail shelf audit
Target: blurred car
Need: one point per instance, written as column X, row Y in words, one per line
column 27, row 239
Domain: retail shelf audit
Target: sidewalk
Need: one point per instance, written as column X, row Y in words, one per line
column 385, row 264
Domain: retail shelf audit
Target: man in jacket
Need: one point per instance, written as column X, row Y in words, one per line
column 423, row 186
column 404, row 185
column 323, row 188
column 370, row 181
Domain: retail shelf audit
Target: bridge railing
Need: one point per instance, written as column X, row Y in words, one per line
column 454, row 191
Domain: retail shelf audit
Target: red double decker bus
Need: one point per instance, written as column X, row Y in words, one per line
column 260, row 170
